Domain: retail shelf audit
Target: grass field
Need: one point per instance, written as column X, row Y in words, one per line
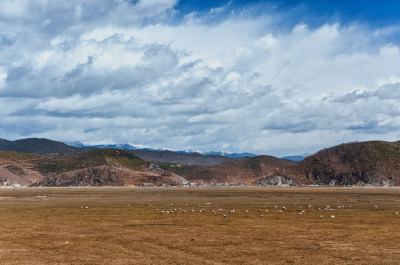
column 127, row 226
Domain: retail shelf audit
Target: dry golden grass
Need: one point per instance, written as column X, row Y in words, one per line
column 122, row 226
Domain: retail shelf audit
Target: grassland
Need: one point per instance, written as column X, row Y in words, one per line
column 127, row 226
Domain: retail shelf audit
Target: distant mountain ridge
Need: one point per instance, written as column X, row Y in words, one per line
column 49, row 147
column 138, row 147
column 39, row 146
column 182, row 158
column 296, row 158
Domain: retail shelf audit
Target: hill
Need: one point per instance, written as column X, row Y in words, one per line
column 361, row 163
column 39, row 146
column 93, row 168
column 232, row 172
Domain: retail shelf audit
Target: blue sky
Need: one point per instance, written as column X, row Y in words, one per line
column 315, row 12
column 268, row 77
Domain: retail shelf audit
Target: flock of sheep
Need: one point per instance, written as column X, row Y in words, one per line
column 224, row 213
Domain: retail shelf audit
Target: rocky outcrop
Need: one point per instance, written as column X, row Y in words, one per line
column 276, row 181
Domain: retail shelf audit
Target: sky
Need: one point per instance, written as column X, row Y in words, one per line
column 279, row 77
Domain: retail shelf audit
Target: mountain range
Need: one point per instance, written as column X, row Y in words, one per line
column 138, row 147
column 43, row 162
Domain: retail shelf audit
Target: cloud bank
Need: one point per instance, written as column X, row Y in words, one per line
column 141, row 72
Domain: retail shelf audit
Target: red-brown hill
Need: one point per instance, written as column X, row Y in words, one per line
column 94, row 168
column 246, row 171
column 360, row 163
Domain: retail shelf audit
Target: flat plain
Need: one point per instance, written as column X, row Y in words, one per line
column 173, row 225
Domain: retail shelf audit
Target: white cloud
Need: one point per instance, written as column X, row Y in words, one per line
column 114, row 71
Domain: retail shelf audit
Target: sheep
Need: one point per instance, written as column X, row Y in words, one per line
column 332, row 217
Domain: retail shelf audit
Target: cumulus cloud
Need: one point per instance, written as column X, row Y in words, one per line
column 131, row 71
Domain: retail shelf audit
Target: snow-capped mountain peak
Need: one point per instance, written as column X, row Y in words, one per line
column 75, row 144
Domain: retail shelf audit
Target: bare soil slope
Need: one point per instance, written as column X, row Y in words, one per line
column 246, row 171
column 102, row 167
